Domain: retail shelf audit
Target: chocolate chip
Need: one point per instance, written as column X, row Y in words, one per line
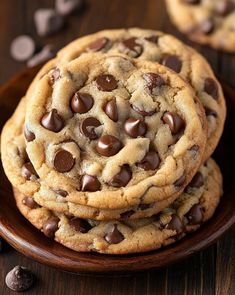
column 211, row 88
column 63, row 161
column 135, row 127
column 81, row 102
column 172, row 62
column 52, row 121
column 142, row 112
column 210, row 112
column 114, row 236
column 50, row 227
column 131, row 47
column 194, row 148
column 175, row 224
column 29, row 135
column 47, row 21
column 29, row 202
column 67, row 7
column 153, row 80
column 22, row 48
column 224, row 7
column 108, row 145
column 154, row 39
column 111, row 110
column 89, row 183
column 98, row 44
column 192, row 1
column 19, row 279
column 80, row 225
column 106, row 83
column 174, row 121
column 122, row 178
column 45, row 54
column 195, row 215
column 180, row 181
column 55, row 75
column 28, row 171
column 145, row 206
column 207, row 26
column 151, row 161
column 197, row 180
column 127, row 214
column 88, row 126
column 61, row 192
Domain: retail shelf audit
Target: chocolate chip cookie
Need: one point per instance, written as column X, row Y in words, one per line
column 210, row 22
column 196, row 205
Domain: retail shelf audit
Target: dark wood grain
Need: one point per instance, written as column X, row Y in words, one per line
column 211, row 271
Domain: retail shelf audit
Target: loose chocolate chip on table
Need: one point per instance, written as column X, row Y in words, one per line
column 89, row 183
column 61, row 192
column 172, row 62
column 211, row 88
column 80, row 225
column 195, row 215
column 108, row 145
column 122, row 178
column 210, row 112
column 114, row 236
column 150, row 161
column 52, row 121
column 180, row 181
column 28, row 171
column 67, row 7
column 47, row 21
column 127, row 214
column 153, row 80
column 111, row 110
column 29, row 135
column 142, row 112
column 87, row 127
column 55, row 75
column 45, row 54
column 135, row 127
column 106, row 83
column 154, row 39
column 50, row 227
column 197, row 180
column 63, row 161
column 131, row 47
column 175, row 224
column 174, row 121
column 22, row 48
column 98, row 44
column 30, row 203
column 207, row 26
column 19, row 279
column 81, row 102
column 224, row 7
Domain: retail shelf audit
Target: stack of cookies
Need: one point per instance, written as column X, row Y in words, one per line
column 109, row 150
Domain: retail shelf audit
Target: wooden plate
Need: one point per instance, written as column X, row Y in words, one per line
column 26, row 239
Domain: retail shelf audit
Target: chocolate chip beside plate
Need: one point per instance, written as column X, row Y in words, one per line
column 45, row 54
column 19, row 279
column 106, row 83
column 108, row 145
column 131, row 47
column 80, row 225
column 195, row 215
column 30, row 203
column 28, row 171
column 87, row 127
column 111, row 110
column 150, row 161
column 197, row 180
column 98, row 44
column 175, row 224
column 211, row 88
column 22, row 48
column 29, row 135
column 52, row 121
column 153, row 80
column 172, row 62
column 135, row 127
column 114, row 236
column 81, row 102
column 50, row 227
column 89, row 183
column 122, row 178
column 67, row 7
column 63, row 161
column 174, row 121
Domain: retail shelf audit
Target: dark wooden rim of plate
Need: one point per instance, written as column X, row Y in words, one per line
column 26, row 239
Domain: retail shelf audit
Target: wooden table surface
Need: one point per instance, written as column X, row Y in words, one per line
column 209, row 272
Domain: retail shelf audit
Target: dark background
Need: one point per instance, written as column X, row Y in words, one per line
column 209, row 272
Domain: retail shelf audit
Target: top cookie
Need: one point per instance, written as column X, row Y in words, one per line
column 209, row 22
column 113, row 132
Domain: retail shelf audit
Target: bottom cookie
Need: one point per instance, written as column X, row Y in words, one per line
column 185, row 215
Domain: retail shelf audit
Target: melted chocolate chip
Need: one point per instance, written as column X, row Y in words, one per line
column 122, row 178
column 211, row 88
column 98, row 44
column 143, row 112
column 28, row 171
column 50, row 227
column 114, row 236
column 180, row 181
column 175, row 224
column 153, row 80
column 154, row 39
column 111, row 110
column 131, row 47
column 88, row 126
column 55, row 75
column 89, row 183
column 19, row 279
column 172, row 62
column 195, row 215
column 108, row 145
column 151, row 161
column 197, row 180
column 127, row 214
column 207, row 26
column 29, row 135
column 61, row 192
column 174, row 121
column 63, row 161
column 80, row 225
column 135, row 127
column 106, row 83
column 224, row 7
column 81, row 102
column 52, row 121
column 29, row 202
